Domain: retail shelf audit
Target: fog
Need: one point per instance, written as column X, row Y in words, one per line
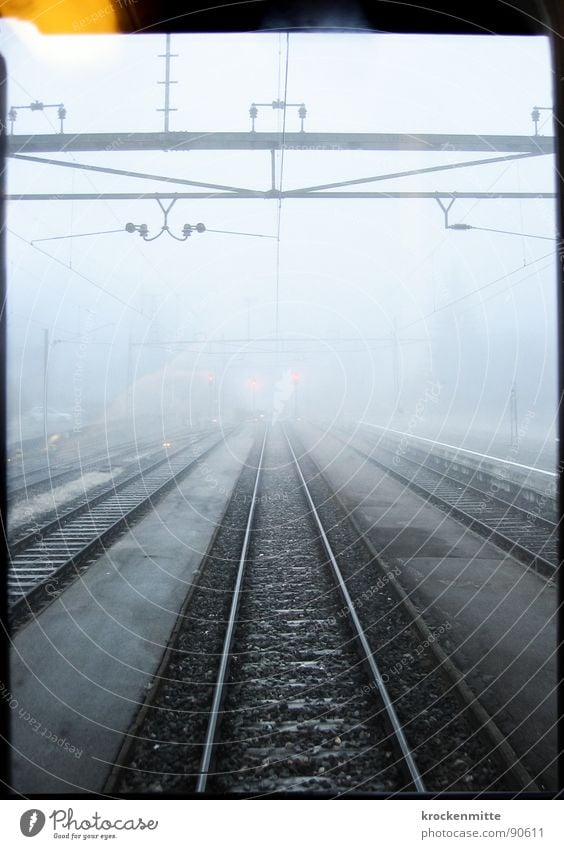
column 351, row 309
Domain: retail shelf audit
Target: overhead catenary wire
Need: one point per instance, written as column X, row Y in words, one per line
column 507, row 288
column 475, row 291
column 279, row 208
column 81, row 275
column 122, row 230
column 78, row 338
column 69, row 265
column 507, row 232
column 278, row 229
column 444, row 238
column 237, row 233
column 77, row 235
column 29, row 320
column 267, row 236
column 148, row 259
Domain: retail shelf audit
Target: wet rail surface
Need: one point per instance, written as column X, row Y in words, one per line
column 29, row 477
column 530, row 535
column 293, row 679
column 73, row 488
column 50, row 555
column 266, row 686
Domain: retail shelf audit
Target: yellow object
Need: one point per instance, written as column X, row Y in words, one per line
column 67, row 16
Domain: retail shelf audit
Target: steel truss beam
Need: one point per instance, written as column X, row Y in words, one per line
column 270, row 339
column 82, row 166
column 140, row 175
column 526, row 147
column 291, row 195
column 115, row 142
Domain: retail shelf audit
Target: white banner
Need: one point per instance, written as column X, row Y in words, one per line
column 271, row 825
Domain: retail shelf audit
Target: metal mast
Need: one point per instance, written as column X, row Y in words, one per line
column 167, row 82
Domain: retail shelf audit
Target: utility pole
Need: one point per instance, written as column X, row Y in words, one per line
column 395, row 361
column 514, row 421
column 128, row 383
column 211, row 388
column 167, row 82
column 248, row 300
column 45, row 380
column 253, row 395
column 296, row 381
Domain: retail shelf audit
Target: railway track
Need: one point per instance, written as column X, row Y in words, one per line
column 285, row 659
column 525, row 534
column 38, row 508
column 24, row 534
column 42, row 562
column 526, row 485
column 272, row 681
column 39, row 477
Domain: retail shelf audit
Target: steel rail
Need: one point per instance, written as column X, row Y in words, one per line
column 111, row 489
column 88, row 539
column 213, row 722
column 60, row 461
column 452, row 674
column 547, row 524
column 458, row 449
column 491, row 533
column 361, row 636
column 57, row 473
column 520, row 511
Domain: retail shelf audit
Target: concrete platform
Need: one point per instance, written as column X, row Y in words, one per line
column 80, row 670
column 502, row 616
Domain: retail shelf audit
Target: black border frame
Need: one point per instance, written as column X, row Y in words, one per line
column 492, row 17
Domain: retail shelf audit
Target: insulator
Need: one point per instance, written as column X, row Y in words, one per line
column 62, row 113
column 36, row 106
column 253, row 111
column 302, row 111
column 143, row 230
column 187, row 230
column 278, row 104
column 535, row 115
column 13, row 114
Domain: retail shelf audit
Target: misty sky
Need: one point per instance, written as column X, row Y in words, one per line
column 347, row 267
